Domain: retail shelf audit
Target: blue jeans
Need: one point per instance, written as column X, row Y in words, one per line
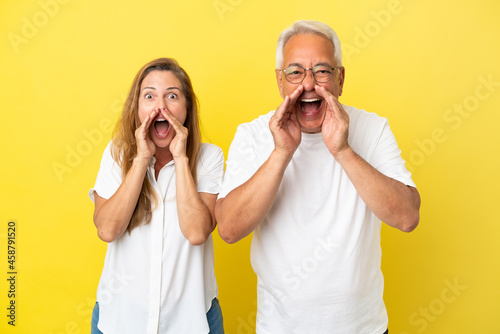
column 214, row 318
column 95, row 320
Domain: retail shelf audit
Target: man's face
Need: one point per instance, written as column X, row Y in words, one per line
column 309, row 50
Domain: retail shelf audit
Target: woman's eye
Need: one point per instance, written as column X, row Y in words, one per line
column 148, row 96
column 172, row 96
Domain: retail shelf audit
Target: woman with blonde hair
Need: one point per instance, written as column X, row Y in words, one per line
column 154, row 199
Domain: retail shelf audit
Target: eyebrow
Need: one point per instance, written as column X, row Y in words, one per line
column 318, row 64
column 169, row 88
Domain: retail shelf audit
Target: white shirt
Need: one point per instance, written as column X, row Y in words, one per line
column 154, row 280
column 317, row 252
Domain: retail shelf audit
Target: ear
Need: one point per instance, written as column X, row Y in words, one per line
column 279, row 81
column 341, row 78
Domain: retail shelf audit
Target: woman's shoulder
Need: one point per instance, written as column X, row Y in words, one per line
column 210, row 154
column 108, row 151
column 208, row 149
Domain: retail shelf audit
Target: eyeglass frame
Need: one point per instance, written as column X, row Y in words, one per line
column 312, row 72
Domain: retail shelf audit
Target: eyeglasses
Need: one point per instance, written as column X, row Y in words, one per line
column 321, row 73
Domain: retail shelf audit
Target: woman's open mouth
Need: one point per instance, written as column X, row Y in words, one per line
column 161, row 127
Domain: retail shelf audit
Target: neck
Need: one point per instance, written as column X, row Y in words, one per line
column 163, row 156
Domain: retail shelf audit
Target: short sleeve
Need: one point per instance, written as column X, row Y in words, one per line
column 251, row 146
column 387, row 158
column 210, row 169
column 109, row 177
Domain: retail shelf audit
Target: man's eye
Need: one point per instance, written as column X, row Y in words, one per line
column 294, row 70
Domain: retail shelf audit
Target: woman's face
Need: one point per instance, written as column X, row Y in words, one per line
column 162, row 89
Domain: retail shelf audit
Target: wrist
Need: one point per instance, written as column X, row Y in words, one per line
column 345, row 155
column 181, row 159
column 141, row 161
column 283, row 158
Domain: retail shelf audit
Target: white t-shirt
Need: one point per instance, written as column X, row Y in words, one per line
column 154, row 280
column 317, row 252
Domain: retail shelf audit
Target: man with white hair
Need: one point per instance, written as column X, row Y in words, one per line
column 313, row 180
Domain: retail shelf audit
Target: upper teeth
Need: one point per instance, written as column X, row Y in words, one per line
column 161, row 120
column 310, row 100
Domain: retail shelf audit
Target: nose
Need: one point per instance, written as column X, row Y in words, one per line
column 161, row 103
column 308, row 81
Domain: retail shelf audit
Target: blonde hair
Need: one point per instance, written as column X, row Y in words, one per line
column 124, row 147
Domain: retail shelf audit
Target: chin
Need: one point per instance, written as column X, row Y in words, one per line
column 310, row 129
column 310, row 126
column 162, row 144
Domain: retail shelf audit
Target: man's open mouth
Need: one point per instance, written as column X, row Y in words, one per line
column 161, row 127
column 310, row 107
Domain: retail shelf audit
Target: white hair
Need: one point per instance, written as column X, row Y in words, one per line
column 308, row 27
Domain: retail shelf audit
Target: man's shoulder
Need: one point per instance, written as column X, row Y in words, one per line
column 257, row 125
column 262, row 120
column 356, row 115
column 363, row 123
column 254, row 135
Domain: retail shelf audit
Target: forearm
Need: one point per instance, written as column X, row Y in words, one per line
column 391, row 201
column 196, row 220
column 112, row 216
column 244, row 208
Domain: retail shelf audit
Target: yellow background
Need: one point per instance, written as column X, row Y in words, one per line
column 430, row 67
